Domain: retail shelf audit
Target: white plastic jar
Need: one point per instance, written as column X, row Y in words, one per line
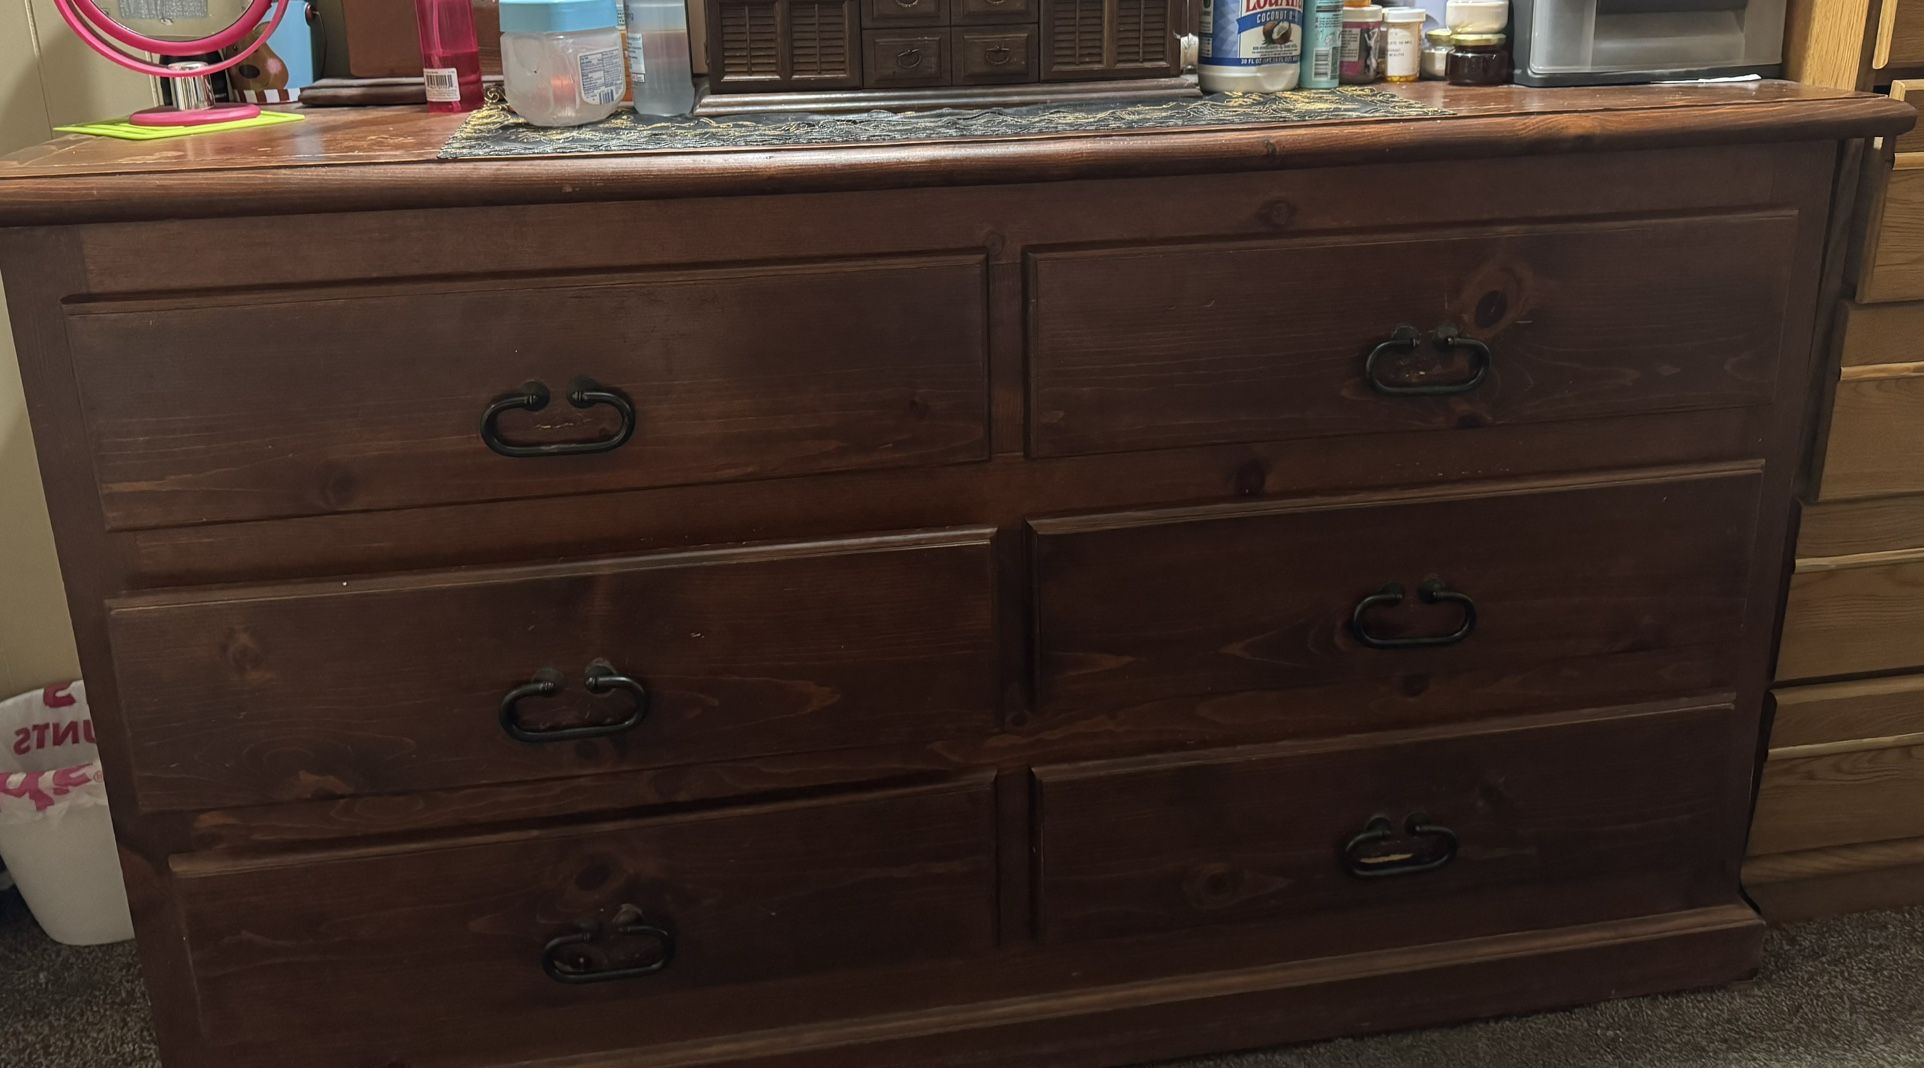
column 562, row 61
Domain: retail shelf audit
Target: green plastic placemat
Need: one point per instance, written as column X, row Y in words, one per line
column 495, row 131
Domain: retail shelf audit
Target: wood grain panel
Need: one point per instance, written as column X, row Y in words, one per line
column 1822, row 882
column 1830, row 42
column 1147, row 348
column 1230, row 836
column 336, row 403
column 1911, row 92
column 1853, row 528
column 337, row 689
column 1900, row 34
column 1848, row 713
column 1876, row 433
column 1881, row 333
column 1840, row 796
column 1136, row 607
column 380, row 940
column 1860, row 616
column 1891, row 262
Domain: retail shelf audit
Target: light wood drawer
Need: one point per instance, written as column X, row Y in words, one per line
column 1851, row 615
column 1142, row 348
column 1876, row 442
column 242, row 696
column 1374, row 612
column 1846, row 766
column 1449, row 830
column 257, row 407
column 1890, row 263
column 384, row 941
column 1900, row 35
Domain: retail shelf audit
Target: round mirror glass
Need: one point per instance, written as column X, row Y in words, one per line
column 175, row 20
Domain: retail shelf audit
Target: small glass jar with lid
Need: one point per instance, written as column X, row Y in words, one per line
column 1436, row 53
column 1479, row 59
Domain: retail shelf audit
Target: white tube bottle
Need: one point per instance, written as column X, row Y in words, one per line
column 1251, row 46
column 658, row 63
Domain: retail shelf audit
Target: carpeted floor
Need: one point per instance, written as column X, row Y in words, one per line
column 1846, row 992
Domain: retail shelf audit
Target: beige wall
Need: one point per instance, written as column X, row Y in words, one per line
column 47, row 78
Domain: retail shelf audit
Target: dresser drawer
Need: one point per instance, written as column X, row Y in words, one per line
column 988, row 54
column 381, row 941
column 1447, row 826
column 907, row 12
column 1876, row 433
column 333, row 689
column 1853, row 615
column 1889, row 265
column 1139, row 348
column 999, row 11
column 257, row 407
column 1900, row 34
column 905, row 57
column 1382, row 610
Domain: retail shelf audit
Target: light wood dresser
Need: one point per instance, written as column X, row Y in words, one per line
column 1840, row 820
column 1065, row 602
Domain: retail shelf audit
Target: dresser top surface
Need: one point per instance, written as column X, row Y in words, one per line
column 371, row 158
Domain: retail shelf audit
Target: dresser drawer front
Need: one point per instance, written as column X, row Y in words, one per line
column 987, row 54
column 459, row 931
column 1293, row 833
column 336, row 689
column 1900, row 34
column 1876, row 433
column 905, row 57
column 1853, row 615
column 1177, row 605
column 301, row 406
column 1150, row 348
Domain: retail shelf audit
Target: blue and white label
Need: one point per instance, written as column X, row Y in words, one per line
column 1252, row 33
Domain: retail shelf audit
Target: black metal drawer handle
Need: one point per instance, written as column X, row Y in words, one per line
column 584, row 393
column 1408, row 339
column 908, row 59
column 1431, row 846
column 997, row 55
column 1432, row 591
column 554, row 963
column 601, row 678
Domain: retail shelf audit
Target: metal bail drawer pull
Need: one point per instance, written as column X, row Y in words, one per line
column 1431, row 846
column 555, row 958
column 600, row 679
column 1432, row 591
column 1407, row 339
column 583, row 393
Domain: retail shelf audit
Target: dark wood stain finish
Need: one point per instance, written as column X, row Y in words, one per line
column 336, row 689
column 991, row 589
column 1187, row 345
column 1242, row 835
column 1149, row 606
column 759, row 894
column 894, row 374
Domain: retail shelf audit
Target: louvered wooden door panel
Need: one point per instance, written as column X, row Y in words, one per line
column 1109, row 38
column 758, row 45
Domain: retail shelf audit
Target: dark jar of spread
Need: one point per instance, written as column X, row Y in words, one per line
column 1479, row 59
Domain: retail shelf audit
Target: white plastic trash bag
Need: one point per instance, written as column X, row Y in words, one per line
column 55, row 835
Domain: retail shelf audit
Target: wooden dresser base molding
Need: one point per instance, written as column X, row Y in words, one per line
column 1068, row 602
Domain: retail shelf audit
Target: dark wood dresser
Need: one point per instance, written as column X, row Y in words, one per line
column 1064, row 602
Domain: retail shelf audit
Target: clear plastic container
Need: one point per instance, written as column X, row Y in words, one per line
column 561, row 60
column 1682, row 38
column 658, row 57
